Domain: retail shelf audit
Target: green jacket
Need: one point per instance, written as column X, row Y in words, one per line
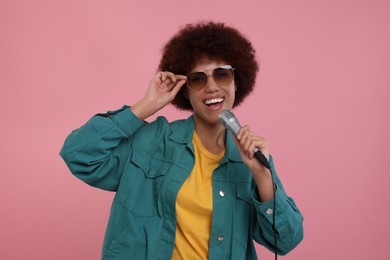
column 147, row 163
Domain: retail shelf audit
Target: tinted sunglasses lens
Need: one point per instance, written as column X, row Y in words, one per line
column 223, row 76
column 197, row 80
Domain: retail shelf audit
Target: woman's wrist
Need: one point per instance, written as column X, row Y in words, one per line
column 143, row 109
column 264, row 184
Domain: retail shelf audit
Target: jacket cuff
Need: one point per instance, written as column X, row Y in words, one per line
column 267, row 208
column 126, row 120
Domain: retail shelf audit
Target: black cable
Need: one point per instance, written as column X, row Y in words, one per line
column 229, row 120
column 273, row 215
column 263, row 160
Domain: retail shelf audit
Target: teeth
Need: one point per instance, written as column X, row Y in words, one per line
column 213, row 100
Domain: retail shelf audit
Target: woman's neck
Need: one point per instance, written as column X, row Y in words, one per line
column 212, row 136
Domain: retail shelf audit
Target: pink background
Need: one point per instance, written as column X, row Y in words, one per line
column 322, row 100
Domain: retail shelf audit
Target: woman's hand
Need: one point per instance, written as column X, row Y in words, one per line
column 246, row 141
column 162, row 89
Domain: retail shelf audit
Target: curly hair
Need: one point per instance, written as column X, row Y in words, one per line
column 214, row 41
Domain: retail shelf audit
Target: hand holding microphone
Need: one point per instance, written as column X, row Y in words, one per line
column 247, row 141
column 229, row 120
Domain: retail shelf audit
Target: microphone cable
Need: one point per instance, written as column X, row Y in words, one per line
column 274, row 213
column 229, row 120
column 263, row 160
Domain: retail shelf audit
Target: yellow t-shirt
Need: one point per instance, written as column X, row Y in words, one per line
column 194, row 205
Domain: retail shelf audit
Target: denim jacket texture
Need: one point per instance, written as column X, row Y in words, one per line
column 147, row 163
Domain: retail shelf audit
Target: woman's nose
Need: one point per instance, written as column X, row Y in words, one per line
column 211, row 85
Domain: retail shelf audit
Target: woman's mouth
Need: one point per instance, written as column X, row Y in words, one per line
column 213, row 101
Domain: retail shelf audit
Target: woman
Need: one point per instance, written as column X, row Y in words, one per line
column 186, row 189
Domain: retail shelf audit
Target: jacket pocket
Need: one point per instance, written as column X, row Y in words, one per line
column 243, row 191
column 144, row 179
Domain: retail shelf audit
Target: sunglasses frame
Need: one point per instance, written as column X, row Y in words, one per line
column 226, row 67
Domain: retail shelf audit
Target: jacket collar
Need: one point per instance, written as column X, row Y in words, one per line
column 185, row 130
column 232, row 152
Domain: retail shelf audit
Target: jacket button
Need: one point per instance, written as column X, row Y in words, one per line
column 269, row 211
column 220, row 238
column 222, row 193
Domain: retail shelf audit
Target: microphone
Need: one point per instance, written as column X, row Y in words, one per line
column 229, row 120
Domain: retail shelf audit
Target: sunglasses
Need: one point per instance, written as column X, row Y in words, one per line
column 222, row 75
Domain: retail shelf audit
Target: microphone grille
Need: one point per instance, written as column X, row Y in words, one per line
column 226, row 114
column 229, row 120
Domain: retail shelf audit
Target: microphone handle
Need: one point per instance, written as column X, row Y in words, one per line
column 261, row 158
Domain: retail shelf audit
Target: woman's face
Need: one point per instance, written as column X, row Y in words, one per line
column 209, row 102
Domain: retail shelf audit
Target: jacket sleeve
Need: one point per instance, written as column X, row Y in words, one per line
column 289, row 220
column 97, row 152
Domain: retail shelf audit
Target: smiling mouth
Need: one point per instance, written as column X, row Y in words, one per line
column 213, row 101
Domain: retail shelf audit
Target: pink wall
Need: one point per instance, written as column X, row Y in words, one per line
column 322, row 98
